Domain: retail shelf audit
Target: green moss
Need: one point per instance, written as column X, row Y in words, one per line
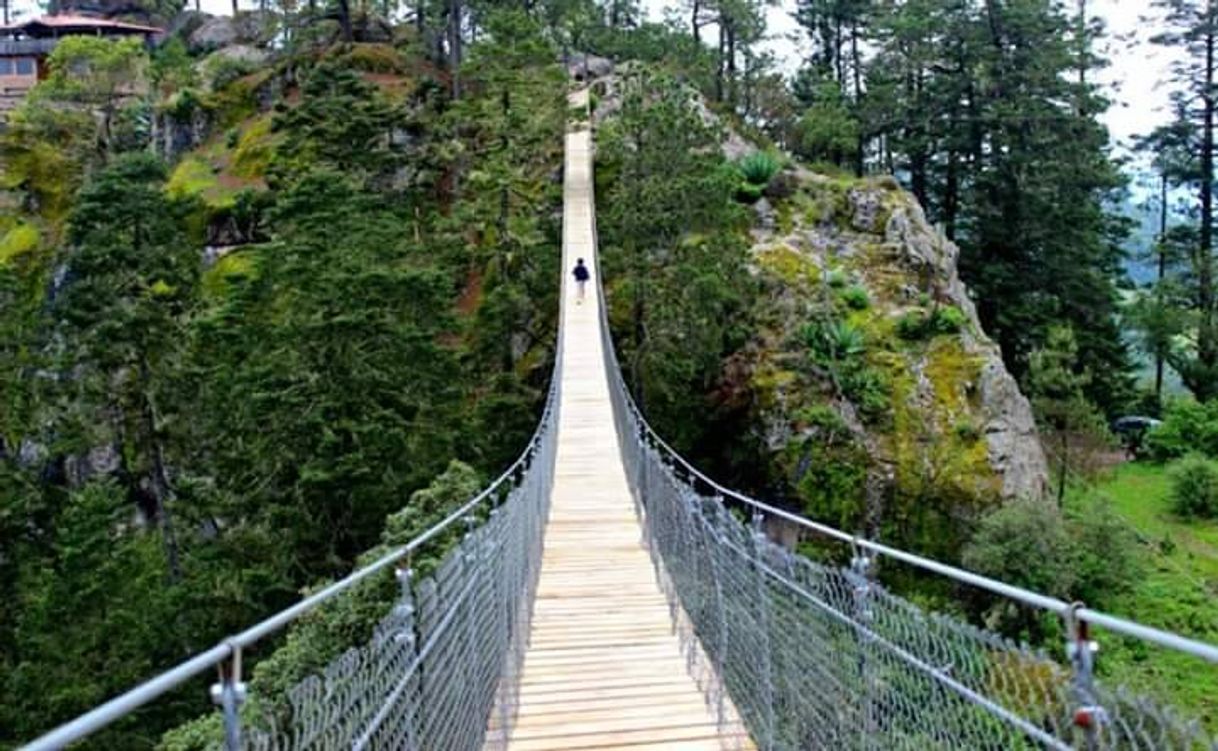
column 788, row 264
column 195, row 178
column 784, row 217
column 254, row 150
column 238, row 100
column 20, row 240
column 953, row 374
column 375, row 58
column 827, row 202
column 235, row 265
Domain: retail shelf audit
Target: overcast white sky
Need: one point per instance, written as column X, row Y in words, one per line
column 1138, row 67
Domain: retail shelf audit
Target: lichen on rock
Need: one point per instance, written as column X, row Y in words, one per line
column 931, row 422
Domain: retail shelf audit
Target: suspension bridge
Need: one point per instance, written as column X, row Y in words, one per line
column 605, row 594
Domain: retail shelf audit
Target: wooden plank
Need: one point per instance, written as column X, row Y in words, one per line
column 604, row 669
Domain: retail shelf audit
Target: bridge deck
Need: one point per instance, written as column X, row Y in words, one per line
column 604, row 669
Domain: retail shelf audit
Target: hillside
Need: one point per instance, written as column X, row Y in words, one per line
column 249, row 305
column 859, row 378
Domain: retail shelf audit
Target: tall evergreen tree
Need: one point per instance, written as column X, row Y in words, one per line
column 1193, row 29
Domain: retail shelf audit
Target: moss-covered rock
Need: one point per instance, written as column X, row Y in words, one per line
column 903, row 421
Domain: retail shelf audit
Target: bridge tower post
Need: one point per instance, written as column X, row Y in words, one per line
column 1089, row 715
column 859, row 575
column 229, row 694
column 768, row 741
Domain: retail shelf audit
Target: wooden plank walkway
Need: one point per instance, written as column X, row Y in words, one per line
column 604, row 669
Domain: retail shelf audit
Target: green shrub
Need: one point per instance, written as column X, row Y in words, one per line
column 967, row 432
column 221, row 71
column 888, row 182
column 1023, row 543
column 748, row 193
column 18, row 241
column 1188, row 426
column 375, row 58
column 757, row 168
column 1194, row 487
column 836, row 279
column 856, row 298
column 948, row 320
column 918, row 324
column 869, row 389
column 912, row 325
column 1105, row 554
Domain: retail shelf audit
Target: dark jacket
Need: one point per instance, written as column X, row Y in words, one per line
column 581, row 273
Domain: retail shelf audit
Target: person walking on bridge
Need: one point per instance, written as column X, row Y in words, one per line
column 581, row 278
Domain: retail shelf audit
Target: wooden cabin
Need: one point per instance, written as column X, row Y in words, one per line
column 25, row 46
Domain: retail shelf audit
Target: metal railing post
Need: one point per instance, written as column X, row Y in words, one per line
column 229, row 694
column 763, row 619
column 859, row 576
column 1081, row 649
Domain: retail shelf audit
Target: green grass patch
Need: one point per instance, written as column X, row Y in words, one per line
column 1178, row 591
column 195, row 178
column 254, row 150
column 18, row 241
column 236, row 265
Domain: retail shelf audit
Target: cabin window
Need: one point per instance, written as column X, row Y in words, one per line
column 25, row 66
column 6, row 66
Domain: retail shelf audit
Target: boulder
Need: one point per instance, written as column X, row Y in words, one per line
column 241, row 53
column 216, row 32
column 585, row 67
column 765, row 215
column 186, row 23
column 98, row 462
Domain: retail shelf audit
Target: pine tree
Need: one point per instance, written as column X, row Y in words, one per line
column 133, row 275
column 1193, row 29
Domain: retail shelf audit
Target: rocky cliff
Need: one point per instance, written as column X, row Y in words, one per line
column 867, row 321
column 880, row 402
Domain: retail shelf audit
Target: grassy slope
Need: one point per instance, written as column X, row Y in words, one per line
column 1178, row 591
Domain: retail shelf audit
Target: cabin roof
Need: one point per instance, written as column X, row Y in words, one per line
column 67, row 23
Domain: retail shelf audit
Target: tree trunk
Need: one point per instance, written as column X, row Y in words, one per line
column 720, row 67
column 856, row 63
column 344, row 20
column 951, row 196
column 730, row 25
column 236, row 9
column 1062, row 465
column 693, row 22
column 1207, row 347
column 1162, row 274
column 1083, row 50
column 839, row 66
column 454, row 46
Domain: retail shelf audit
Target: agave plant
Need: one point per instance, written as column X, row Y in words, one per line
column 834, row 341
column 757, row 168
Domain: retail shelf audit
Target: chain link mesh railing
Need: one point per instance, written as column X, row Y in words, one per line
column 441, row 670
column 447, row 657
column 806, row 655
column 814, row 656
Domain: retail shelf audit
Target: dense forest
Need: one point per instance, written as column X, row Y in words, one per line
column 273, row 302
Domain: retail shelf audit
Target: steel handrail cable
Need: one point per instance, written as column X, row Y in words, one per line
column 1054, row 605
column 129, row 701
